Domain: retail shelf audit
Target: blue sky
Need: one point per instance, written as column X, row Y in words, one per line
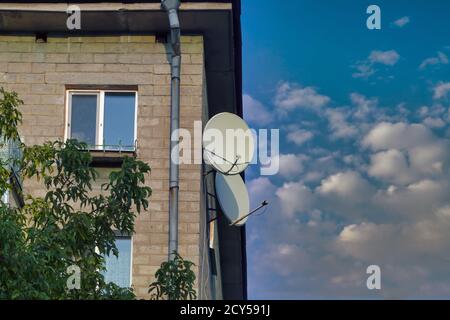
column 364, row 127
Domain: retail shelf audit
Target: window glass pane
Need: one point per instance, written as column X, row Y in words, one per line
column 84, row 118
column 118, row 270
column 119, row 120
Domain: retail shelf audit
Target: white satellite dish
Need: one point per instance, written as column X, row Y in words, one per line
column 233, row 198
column 228, row 143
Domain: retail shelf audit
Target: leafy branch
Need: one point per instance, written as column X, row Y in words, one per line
column 174, row 280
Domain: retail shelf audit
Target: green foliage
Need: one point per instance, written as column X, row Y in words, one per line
column 10, row 114
column 174, row 280
column 70, row 225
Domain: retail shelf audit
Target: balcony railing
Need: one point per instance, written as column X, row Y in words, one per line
column 119, row 148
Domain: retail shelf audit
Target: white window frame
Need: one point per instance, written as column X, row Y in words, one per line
column 131, row 261
column 100, row 113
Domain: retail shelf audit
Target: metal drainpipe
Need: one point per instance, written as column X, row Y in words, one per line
column 171, row 7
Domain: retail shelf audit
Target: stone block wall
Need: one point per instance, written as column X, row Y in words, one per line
column 41, row 72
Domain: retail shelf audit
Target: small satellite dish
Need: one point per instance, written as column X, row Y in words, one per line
column 228, row 143
column 233, row 197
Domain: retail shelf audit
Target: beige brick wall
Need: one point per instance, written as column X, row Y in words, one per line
column 39, row 72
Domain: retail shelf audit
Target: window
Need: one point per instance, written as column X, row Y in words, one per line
column 105, row 120
column 118, row 269
column 5, row 197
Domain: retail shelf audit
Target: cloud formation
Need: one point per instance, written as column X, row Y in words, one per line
column 388, row 58
column 441, row 90
column 299, row 136
column 376, row 193
column 291, row 165
column 367, row 67
column 365, row 105
column 391, row 166
column 399, row 135
column 290, row 96
column 255, row 112
column 403, row 21
column 440, row 59
column 295, row 198
column 339, row 125
column 345, row 185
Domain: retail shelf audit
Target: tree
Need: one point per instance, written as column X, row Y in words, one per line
column 70, row 226
column 174, row 280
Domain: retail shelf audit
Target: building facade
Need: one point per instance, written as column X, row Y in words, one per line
column 108, row 84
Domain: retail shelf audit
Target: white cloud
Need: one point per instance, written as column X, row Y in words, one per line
column 428, row 159
column 388, row 58
column 436, row 110
column 441, row 58
column 395, row 244
column 290, row 96
column 443, row 213
column 366, row 68
column 424, row 186
column 291, row 165
column 391, row 166
column 340, row 127
column 299, row 136
column 366, row 241
column 255, row 111
column 399, row 135
column 260, row 189
column 347, row 185
column 414, row 201
column 295, row 198
column 403, row 21
column 441, row 90
column 419, row 162
column 363, row 70
column 261, row 186
column 434, row 122
column 412, row 152
column 364, row 105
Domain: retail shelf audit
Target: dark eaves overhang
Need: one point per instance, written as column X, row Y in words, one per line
column 220, row 26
